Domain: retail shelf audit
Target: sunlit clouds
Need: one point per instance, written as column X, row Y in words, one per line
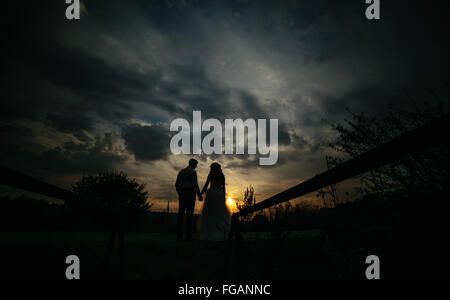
column 100, row 93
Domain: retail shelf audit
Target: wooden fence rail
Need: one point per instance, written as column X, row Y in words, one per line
column 416, row 141
column 413, row 142
column 24, row 182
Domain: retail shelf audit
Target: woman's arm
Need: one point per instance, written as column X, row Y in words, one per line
column 206, row 185
column 224, row 192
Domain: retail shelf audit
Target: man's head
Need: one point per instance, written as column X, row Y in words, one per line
column 193, row 163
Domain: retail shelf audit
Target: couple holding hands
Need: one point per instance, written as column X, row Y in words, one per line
column 214, row 221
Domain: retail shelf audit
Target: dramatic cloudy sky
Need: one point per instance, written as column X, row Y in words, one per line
column 99, row 93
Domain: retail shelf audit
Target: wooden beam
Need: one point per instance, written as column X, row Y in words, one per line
column 413, row 142
column 24, row 182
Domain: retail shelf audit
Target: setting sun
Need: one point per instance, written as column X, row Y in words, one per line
column 230, row 201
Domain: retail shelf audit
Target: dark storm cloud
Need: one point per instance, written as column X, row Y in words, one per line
column 109, row 90
column 76, row 162
column 363, row 99
column 101, row 87
column 148, row 143
column 15, row 130
column 301, row 62
column 68, row 159
column 88, row 74
column 69, row 122
column 209, row 97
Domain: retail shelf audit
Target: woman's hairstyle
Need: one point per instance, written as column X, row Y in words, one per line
column 216, row 168
column 216, row 171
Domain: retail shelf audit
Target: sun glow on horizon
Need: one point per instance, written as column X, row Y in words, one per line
column 230, row 203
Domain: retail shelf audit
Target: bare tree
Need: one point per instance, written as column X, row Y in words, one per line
column 362, row 133
column 248, row 201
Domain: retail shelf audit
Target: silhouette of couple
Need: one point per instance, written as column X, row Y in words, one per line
column 215, row 218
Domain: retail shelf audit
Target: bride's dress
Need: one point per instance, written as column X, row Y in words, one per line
column 215, row 217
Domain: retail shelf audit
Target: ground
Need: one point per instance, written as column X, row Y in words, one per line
column 160, row 256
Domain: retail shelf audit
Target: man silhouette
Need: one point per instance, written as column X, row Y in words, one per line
column 187, row 187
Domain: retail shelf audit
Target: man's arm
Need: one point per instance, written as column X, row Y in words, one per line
column 195, row 185
column 206, row 185
column 178, row 182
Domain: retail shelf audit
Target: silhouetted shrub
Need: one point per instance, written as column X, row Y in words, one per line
column 110, row 199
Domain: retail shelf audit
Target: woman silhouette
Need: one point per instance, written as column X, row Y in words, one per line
column 215, row 217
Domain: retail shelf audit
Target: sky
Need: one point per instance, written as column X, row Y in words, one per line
column 99, row 93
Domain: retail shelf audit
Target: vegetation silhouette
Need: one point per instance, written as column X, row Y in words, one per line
column 400, row 213
column 362, row 133
column 412, row 192
column 113, row 200
column 248, row 201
